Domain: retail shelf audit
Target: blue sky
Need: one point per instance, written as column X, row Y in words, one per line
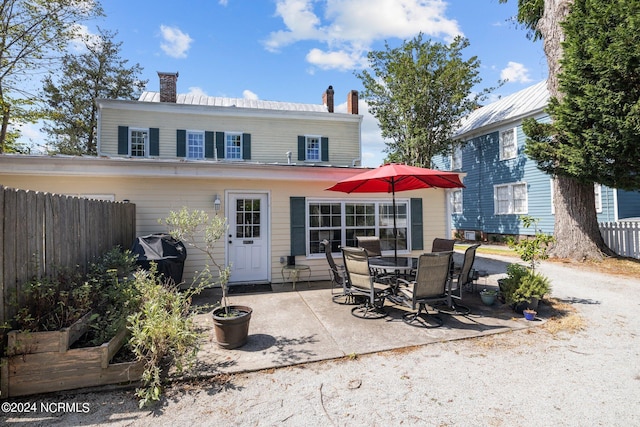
column 292, row 50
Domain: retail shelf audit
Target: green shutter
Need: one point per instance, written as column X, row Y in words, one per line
column 246, row 146
column 181, row 143
column 220, row 144
column 298, row 220
column 324, row 149
column 209, row 145
column 302, row 148
column 123, row 140
column 154, row 142
column 417, row 233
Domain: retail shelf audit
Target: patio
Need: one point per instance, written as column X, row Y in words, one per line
column 291, row 327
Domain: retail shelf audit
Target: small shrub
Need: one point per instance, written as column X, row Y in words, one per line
column 163, row 332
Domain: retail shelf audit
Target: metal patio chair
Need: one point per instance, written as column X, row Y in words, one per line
column 362, row 282
column 429, row 287
column 338, row 279
column 460, row 279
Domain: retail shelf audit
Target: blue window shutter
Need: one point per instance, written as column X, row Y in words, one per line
column 181, row 143
column 302, row 148
column 209, row 145
column 154, row 142
column 220, row 144
column 417, row 234
column 298, row 219
column 324, row 149
column 246, row 146
column 123, row 140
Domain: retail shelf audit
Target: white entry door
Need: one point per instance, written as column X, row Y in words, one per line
column 248, row 243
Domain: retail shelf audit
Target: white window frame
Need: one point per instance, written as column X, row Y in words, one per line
column 230, row 149
column 456, row 201
column 382, row 221
column 597, row 190
column 511, row 188
column 145, row 143
column 456, row 158
column 312, row 154
column 192, row 147
column 510, row 151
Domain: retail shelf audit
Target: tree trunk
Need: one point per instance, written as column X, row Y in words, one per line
column 576, row 226
column 4, row 127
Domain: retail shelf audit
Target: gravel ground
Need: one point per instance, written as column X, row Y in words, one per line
column 585, row 378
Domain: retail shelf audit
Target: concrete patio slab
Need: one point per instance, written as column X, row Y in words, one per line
column 292, row 327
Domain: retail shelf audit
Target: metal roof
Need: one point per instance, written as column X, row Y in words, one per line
column 216, row 101
column 515, row 106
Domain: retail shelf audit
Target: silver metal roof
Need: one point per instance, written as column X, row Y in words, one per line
column 216, row 101
column 510, row 108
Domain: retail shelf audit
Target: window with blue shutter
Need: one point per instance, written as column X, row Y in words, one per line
column 246, row 146
column 154, row 141
column 417, row 233
column 297, row 210
column 181, row 143
column 123, row 140
column 209, row 145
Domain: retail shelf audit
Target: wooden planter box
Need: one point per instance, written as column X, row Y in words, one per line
column 41, row 362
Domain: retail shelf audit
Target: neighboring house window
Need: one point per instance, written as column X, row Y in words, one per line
column 342, row 221
column 456, row 158
column 510, row 199
column 138, row 142
column 508, row 146
column 313, row 149
column 597, row 189
column 456, row 201
column 233, row 146
column 597, row 192
column 195, row 145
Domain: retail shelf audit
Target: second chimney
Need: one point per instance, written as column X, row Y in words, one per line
column 327, row 99
column 352, row 102
column 168, row 86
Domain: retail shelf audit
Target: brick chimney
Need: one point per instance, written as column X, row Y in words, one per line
column 327, row 99
column 168, row 86
column 352, row 102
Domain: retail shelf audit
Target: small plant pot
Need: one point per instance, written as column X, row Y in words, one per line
column 488, row 297
column 232, row 330
column 529, row 314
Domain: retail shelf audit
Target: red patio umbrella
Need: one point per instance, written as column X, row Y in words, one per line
column 394, row 177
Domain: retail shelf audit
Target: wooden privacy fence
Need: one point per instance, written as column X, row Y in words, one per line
column 623, row 237
column 42, row 232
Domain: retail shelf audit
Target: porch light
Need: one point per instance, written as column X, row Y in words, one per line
column 216, row 203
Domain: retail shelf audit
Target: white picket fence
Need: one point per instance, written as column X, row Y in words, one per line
column 623, row 237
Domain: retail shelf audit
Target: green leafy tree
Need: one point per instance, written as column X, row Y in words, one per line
column 418, row 92
column 99, row 72
column 32, row 32
column 591, row 49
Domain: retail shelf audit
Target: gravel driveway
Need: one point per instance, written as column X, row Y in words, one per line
column 528, row 377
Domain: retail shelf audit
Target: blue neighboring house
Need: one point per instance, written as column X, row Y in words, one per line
column 501, row 182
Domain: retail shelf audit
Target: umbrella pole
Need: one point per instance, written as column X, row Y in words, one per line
column 395, row 228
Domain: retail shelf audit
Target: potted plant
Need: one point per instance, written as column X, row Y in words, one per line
column 529, row 314
column 488, row 296
column 199, row 231
column 523, row 287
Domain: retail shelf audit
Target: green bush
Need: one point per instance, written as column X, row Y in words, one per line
column 531, row 285
column 163, row 332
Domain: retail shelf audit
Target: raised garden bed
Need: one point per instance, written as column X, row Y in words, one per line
column 41, row 362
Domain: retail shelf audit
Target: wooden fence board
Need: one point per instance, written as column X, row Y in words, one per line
column 42, row 233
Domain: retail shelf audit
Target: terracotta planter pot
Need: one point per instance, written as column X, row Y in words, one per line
column 232, row 331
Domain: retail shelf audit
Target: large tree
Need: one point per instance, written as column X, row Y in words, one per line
column 99, row 72
column 418, row 92
column 594, row 82
column 32, row 33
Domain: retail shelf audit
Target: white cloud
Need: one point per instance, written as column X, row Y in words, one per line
column 247, row 94
column 223, row 2
column 515, row 73
column 83, row 37
column 176, row 43
column 196, row 91
column 349, row 27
